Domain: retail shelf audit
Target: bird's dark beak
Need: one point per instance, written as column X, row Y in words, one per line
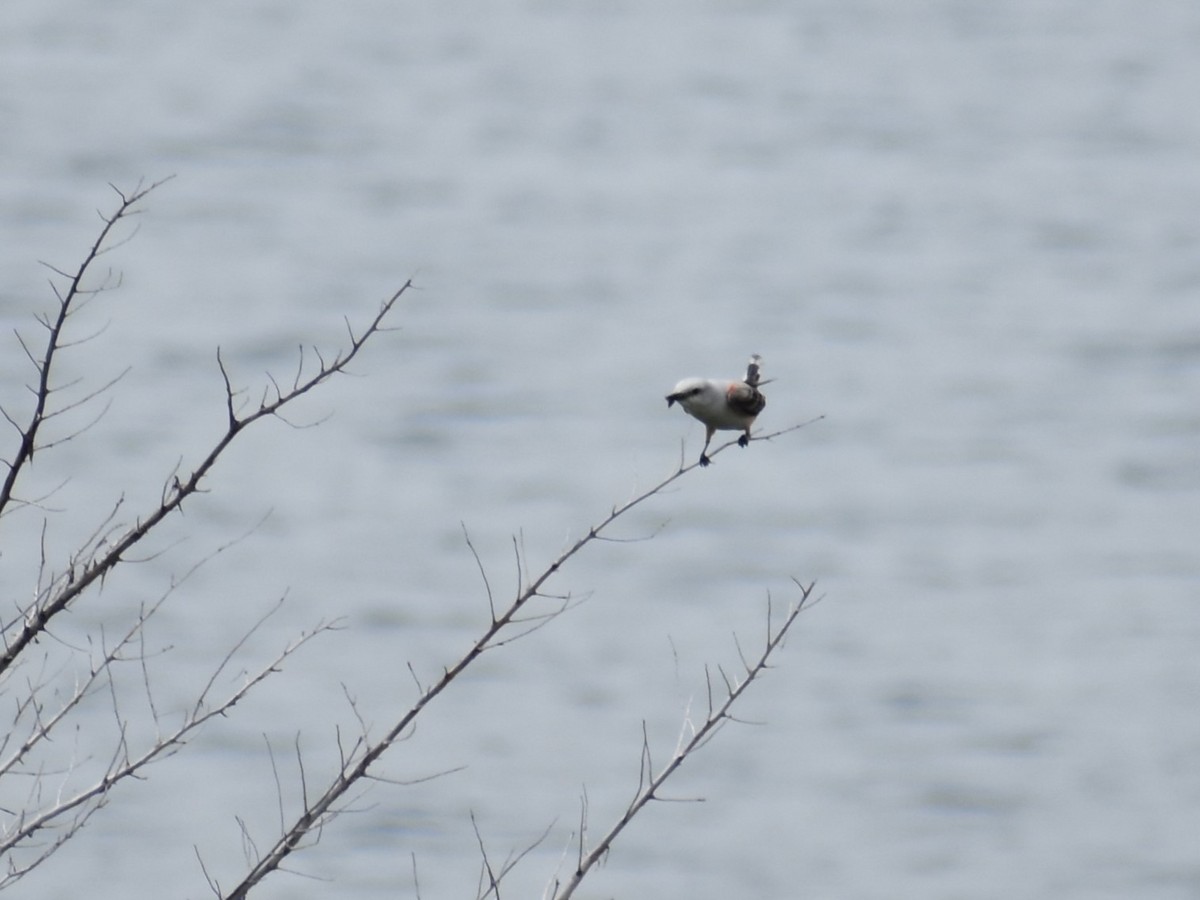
column 671, row 398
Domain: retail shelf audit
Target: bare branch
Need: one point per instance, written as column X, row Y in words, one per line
column 68, row 302
column 213, row 885
column 493, row 883
column 57, row 815
column 649, row 790
column 98, row 566
column 325, row 806
column 85, row 801
column 533, row 605
column 482, row 573
column 495, row 876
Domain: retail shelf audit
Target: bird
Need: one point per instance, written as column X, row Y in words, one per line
column 721, row 404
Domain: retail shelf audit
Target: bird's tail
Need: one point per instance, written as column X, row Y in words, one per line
column 752, row 370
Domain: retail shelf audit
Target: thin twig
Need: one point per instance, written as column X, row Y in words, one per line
column 37, row 618
column 124, row 767
column 68, row 302
column 649, row 790
column 325, row 806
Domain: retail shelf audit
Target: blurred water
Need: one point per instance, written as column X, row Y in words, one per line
column 966, row 233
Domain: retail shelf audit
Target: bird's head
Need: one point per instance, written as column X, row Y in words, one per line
column 686, row 390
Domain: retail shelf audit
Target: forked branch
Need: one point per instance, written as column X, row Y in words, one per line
column 52, row 602
column 354, row 769
column 649, row 786
column 69, row 812
column 69, row 300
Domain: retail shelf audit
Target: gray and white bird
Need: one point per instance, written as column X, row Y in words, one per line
column 722, row 405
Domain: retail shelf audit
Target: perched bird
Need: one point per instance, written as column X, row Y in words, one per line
column 724, row 405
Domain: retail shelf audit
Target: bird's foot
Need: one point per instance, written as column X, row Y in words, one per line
column 744, row 440
column 704, row 460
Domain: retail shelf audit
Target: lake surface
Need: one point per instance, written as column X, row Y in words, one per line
column 965, row 233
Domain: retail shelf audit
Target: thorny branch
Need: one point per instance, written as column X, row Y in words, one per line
column 83, row 573
column 489, row 875
column 357, row 767
column 54, row 813
column 75, row 295
column 111, row 541
column 75, row 809
column 649, row 784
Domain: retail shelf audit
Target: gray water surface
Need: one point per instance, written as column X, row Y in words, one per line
column 965, row 233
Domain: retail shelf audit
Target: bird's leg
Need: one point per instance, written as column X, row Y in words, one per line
column 744, row 440
column 704, row 460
